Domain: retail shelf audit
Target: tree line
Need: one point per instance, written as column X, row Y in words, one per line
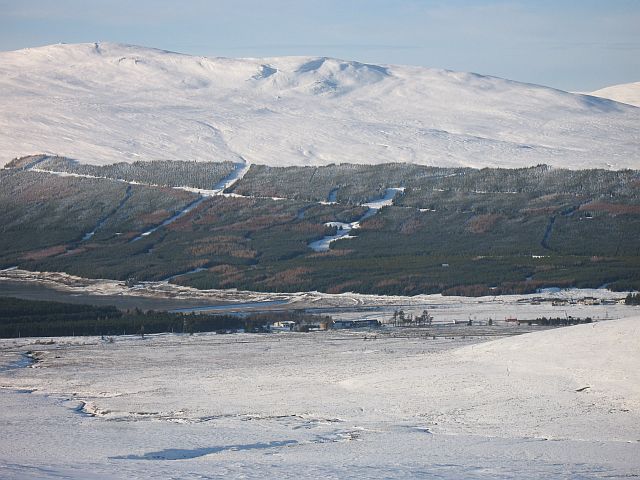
column 36, row 318
column 632, row 299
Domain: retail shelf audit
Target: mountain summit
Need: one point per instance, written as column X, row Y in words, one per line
column 105, row 103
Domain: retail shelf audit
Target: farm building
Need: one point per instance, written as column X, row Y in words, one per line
column 346, row 324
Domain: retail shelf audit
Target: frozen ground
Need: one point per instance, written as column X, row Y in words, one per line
column 105, row 103
column 563, row 403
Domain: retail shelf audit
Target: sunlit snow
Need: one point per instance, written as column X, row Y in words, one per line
column 105, row 103
column 562, row 403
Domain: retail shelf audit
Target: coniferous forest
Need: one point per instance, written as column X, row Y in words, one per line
column 458, row 231
column 35, row 318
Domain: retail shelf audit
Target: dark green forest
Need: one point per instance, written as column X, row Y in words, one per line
column 458, row 231
column 34, row 318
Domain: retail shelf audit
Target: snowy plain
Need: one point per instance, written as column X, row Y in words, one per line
column 560, row 403
column 105, row 103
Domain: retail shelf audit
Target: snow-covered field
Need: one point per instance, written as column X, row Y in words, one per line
column 104, row 103
column 562, row 403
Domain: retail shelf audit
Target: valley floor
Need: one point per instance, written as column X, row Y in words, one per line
column 560, row 403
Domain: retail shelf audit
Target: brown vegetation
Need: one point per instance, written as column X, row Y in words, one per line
column 155, row 217
column 45, row 252
column 223, row 245
column 228, row 275
column 411, row 226
column 288, row 277
column 611, row 208
column 483, row 223
column 349, row 286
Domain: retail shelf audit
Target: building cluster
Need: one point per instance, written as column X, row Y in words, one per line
column 291, row 326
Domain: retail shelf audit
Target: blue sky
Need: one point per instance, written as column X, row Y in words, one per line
column 575, row 45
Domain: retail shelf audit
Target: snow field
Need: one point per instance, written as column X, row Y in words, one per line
column 327, row 404
column 105, row 103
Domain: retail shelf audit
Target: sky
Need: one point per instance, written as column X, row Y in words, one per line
column 575, row 45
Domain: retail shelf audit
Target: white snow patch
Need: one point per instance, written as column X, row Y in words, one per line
column 344, row 229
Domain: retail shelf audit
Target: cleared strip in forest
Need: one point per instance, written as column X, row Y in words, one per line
column 104, row 219
column 200, row 191
column 547, row 233
column 171, row 219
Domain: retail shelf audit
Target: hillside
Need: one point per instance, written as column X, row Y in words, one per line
column 556, row 384
column 628, row 93
column 106, row 103
column 396, row 229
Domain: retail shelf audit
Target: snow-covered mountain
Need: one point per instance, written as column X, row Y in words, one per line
column 104, row 103
column 626, row 93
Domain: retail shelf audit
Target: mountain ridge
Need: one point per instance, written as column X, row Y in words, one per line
column 105, row 102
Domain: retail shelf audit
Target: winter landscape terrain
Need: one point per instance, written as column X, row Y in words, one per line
column 82, row 101
column 382, row 229
column 557, row 403
column 447, row 401
column 136, row 180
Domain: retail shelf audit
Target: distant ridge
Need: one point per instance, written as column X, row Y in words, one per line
column 105, row 103
column 628, row 93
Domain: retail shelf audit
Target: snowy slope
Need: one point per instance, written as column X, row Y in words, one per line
column 104, row 103
column 553, row 384
column 325, row 405
column 626, row 93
